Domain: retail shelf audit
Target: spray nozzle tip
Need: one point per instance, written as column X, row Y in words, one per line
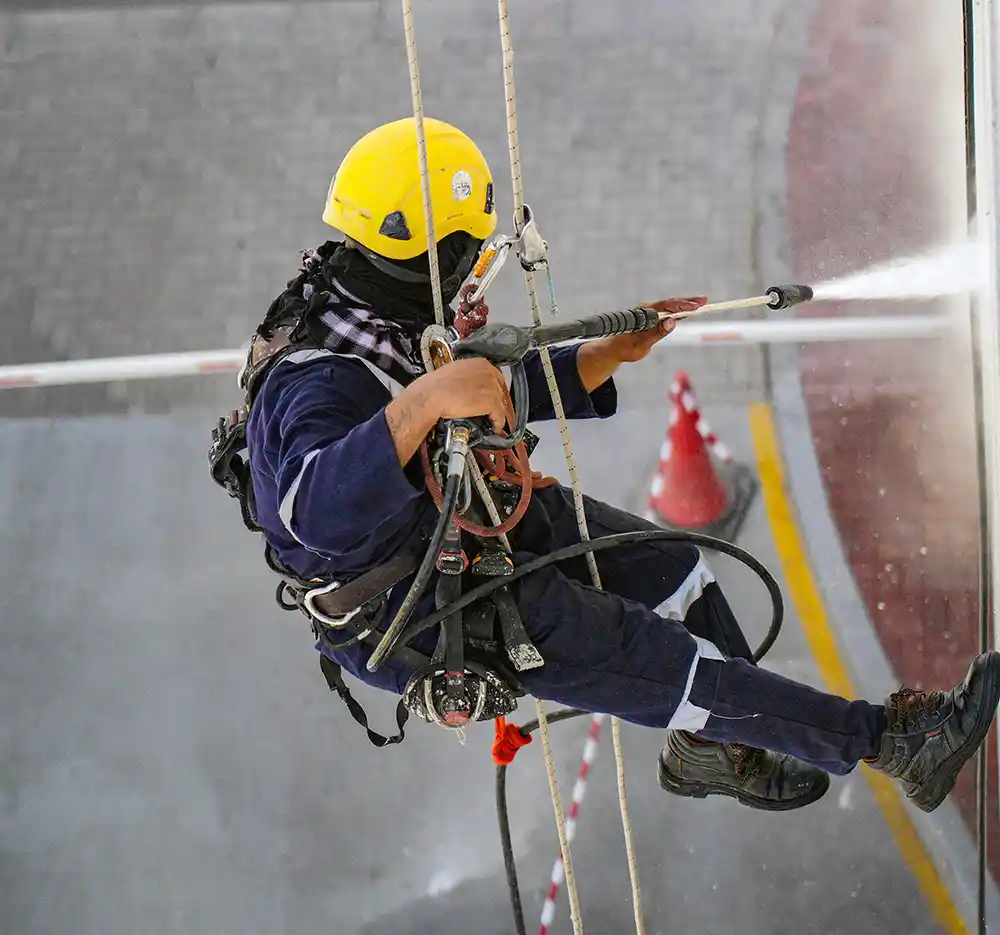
column 785, row 296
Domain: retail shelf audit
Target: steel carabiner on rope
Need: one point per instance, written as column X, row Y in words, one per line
column 531, row 249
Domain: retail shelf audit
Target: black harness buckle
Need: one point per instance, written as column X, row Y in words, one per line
column 452, row 559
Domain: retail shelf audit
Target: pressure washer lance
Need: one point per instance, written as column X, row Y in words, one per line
column 506, row 344
column 776, row 297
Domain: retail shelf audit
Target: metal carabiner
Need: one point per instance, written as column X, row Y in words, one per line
column 490, row 264
column 334, row 623
column 532, row 251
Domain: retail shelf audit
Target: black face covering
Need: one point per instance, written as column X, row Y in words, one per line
column 400, row 289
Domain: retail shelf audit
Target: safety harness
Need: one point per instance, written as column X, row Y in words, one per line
column 472, row 675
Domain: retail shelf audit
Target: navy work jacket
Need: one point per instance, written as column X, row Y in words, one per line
column 331, row 495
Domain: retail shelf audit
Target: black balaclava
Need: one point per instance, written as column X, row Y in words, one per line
column 400, row 289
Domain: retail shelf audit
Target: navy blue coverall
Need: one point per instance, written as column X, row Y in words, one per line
column 658, row 646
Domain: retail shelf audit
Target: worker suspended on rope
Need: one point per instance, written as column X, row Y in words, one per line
column 342, row 484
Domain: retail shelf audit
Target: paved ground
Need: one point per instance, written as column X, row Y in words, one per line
column 893, row 426
column 171, row 759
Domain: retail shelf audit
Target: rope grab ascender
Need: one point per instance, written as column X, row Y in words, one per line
column 472, row 473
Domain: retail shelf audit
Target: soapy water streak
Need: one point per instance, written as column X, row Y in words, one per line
column 950, row 270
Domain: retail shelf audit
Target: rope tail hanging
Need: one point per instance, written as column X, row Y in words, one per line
column 519, row 220
column 425, row 175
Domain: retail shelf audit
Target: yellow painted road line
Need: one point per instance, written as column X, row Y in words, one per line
column 805, row 597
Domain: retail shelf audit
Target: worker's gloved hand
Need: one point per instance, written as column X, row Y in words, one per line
column 632, row 347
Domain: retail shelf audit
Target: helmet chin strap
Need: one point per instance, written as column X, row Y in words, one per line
column 449, row 285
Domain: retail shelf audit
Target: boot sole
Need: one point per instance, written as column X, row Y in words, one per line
column 937, row 788
column 699, row 790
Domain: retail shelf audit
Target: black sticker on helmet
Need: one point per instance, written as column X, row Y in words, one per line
column 489, row 198
column 394, row 226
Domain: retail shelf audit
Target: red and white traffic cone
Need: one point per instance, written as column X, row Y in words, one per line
column 688, row 490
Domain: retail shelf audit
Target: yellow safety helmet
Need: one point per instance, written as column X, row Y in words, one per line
column 376, row 197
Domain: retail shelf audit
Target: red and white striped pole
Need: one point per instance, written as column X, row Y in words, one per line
column 579, row 791
column 718, row 333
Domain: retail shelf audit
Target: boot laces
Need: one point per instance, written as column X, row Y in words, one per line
column 911, row 705
column 747, row 761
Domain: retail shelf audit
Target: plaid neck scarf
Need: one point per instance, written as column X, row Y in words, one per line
column 356, row 329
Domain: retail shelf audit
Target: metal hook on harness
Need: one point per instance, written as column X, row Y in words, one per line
column 334, row 623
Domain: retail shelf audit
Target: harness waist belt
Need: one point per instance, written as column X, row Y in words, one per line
column 371, row 584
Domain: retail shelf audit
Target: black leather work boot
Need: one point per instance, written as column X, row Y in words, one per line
column 932, row 735
column 757, row 778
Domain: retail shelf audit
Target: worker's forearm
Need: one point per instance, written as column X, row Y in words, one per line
column 596, row 362
column 464, row 389
column 410, row 416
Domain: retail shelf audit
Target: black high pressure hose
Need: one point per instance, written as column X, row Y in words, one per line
column 572, row 551
column 449, row 503
column 397, row 637
column 507, row 344
column 611, row 542
column 594, row 545
column 509, row 866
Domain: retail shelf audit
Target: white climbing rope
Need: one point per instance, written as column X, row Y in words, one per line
column 633, row 866
column 518, row 186
column 538, row 259
column 561, row 833
column 543, row 724
column 425, row 175
column 517, row 183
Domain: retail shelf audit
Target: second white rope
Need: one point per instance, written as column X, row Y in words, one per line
column 507, row 48
column 425, row 175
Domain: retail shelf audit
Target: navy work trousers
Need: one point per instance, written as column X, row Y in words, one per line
column 659, row 645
